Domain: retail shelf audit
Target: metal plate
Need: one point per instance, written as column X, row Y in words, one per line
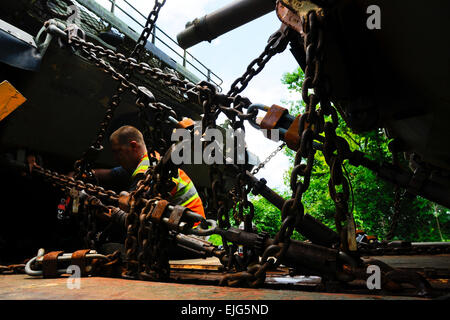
column 10, row 99
column 17, row 33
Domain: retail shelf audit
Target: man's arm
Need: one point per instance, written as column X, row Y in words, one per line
column 104, row 176
column 115, row 178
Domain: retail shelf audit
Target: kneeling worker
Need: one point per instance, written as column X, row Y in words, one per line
column 130, row 152
column 128, row 147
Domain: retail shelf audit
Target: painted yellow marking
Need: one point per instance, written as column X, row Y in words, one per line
column 10, row 99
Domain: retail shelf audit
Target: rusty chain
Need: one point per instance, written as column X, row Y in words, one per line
column 194, row 92
column 88, row 222
column 293, row 211
column 82, row 166
column 277, row 43
column 131, row 243
column 152, row 125
column 12, row 269
column 148, row 28
column 132, row 225
column 153, row 257
column 93, row 232
column 66, row 183
column 218, row 201
column 311, row 125
column 146, row 242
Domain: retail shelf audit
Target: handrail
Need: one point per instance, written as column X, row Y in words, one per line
column 170, row 38
column 209, row 73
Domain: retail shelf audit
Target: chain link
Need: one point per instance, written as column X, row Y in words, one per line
column 66, row 183
column 148, row 28
column 12, row 269
column 311, row 125
column 205, row 93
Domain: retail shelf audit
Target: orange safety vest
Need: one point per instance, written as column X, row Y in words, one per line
column 184, row 192
column 142, row 166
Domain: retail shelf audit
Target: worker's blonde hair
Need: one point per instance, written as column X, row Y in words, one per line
column 125, row 134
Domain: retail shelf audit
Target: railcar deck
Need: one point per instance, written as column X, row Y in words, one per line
column 199, row 280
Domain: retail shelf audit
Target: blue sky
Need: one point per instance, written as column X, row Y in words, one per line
column 228, row 56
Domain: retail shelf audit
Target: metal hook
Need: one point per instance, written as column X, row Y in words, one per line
column 251, row 109
column 64, row 257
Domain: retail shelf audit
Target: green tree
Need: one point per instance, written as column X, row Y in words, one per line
column 267, row 217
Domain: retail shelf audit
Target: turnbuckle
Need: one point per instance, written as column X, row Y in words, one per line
column 56, row 263
column 177, row 218
column 277, row 118
column 175, row 214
